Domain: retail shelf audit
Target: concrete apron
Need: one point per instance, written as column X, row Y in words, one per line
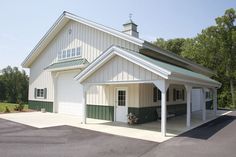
column 148, row 131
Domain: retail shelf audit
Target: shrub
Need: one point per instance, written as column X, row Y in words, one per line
column 7, row 110
column 19, row 107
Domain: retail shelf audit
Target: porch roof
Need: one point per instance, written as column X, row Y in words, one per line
column 172, row 68
column 165, row 70
column 67, row 64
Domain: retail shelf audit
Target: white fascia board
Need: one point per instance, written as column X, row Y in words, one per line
column 147, row 65
column 106, row 29
column 68, row 16
column 186, row 77
column 94, row 65
column 25, row 63
column 67, row 68
column 107, row 55
column 194, row 82
column 121, row 82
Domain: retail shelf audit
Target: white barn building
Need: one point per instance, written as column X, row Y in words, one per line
column 86, row 69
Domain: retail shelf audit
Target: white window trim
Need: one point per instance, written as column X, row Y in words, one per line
column 41, row 95
column 61, row 57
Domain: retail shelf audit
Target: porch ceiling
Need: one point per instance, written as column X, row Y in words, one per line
column 154, row 67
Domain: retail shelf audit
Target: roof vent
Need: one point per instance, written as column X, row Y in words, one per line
column 130, row 27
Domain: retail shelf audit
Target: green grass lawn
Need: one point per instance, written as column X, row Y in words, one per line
column 10, row 106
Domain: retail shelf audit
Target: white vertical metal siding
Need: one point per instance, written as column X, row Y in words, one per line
column 104, row 95
column 146, row 95
column 91, row 41
column 120, row 69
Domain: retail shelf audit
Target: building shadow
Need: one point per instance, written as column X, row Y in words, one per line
column 209, row 129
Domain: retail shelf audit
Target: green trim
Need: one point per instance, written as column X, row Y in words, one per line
column 37, row 105
column 100, row 112
column 68, row 63
column 149, row 114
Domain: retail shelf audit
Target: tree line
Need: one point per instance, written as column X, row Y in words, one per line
column 14, row 85
column 214, row 48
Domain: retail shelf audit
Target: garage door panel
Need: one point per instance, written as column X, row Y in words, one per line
column 69, row 94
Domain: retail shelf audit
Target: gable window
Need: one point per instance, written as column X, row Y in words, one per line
column 178, row 94
column 59, row 55
column 73, row 52
column 40, row 93
column 78, row 51
column 63, row 54
column 69, row 53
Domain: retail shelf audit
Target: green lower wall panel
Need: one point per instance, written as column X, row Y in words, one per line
column 149, row 114
column 100, row 112
column 37, row 105
column 145, row 114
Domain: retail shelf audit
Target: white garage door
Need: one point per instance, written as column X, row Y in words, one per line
column 196, row 100
column 69, row 94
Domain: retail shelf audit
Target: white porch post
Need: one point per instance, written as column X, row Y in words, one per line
column 162, row 85
column 55, row 103
column 215, row 100
column 203, row 104
column 188, row 116
column 84, row 106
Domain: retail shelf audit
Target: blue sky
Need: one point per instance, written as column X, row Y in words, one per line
column 24, row 22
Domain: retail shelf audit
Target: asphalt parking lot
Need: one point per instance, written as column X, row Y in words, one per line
column 17, row 140
column 216, row 138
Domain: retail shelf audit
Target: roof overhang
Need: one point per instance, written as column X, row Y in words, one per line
column 160, row 71
column 60, row 23
column 114, row 50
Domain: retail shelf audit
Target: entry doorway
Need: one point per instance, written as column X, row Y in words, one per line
column 121, row 104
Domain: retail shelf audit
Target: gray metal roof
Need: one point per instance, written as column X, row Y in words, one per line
column 173, row 68
column 68, row 63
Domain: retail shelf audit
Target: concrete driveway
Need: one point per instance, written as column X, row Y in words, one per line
column 148, row 131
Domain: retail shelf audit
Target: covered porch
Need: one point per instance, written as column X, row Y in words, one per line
column 121, row 68
column 151, row 131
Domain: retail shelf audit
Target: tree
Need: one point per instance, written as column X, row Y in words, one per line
column 215, row 48
column 2, row 89
column 16, row 85
column 173, row 45
column 227, row 38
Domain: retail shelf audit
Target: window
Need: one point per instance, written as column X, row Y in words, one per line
column 64, row 54
column 40, row 93
column 121, row 98
column 178, row 94
column 59, row 55
column 69, row 53
column 208, row 95
column 154, row 94
column 167, row 95
column 159, row 94
column 78, row 51
column 73, row 52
